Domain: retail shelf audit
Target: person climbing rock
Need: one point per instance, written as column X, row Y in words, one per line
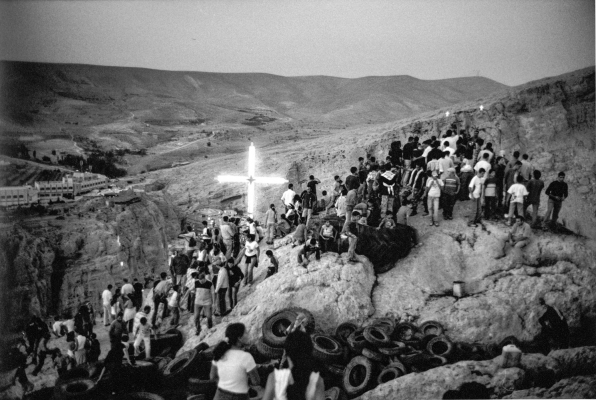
column 274, row 266
column 310, row 247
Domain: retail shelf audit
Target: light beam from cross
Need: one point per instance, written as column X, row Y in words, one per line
column 252, row 180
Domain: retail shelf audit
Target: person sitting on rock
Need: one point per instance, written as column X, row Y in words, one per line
column 554, row 326
column 518, row 237
column 274, row 267
column 352, row 230
column 327, row 236
column 284, row 226
column 299, row 236
column 310, row 247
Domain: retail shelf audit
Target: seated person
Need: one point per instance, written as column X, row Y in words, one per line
column 518, row 238
column 310, row 247
column 327, row 236
column 299, row 236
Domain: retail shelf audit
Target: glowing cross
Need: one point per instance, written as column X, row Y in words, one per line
column 250, row 206
column 481, row 108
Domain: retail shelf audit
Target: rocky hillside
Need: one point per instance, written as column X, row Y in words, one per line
column 50, row 265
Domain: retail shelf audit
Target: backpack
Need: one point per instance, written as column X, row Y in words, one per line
column 192, row 242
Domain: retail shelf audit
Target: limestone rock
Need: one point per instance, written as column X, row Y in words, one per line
column 503, row 294
column 577, row 387
column 334, row 290
column 576, row 361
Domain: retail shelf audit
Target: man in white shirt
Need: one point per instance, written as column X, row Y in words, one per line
column 476, row 193
column 452, row 139
column 106, row 298
column 127, row 288
column 483, row 164
column 340, row 204
column 288, row 196
column 227, row 234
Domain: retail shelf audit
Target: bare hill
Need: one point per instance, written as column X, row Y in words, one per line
column 32, row 90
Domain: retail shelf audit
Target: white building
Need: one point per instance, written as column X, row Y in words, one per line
column 18, row 195
column 71, row 185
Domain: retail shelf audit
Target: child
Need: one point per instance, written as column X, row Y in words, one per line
column 143, row 334
column 274, row 264
column 490, row 195
column 517, row 192
column 534, row 187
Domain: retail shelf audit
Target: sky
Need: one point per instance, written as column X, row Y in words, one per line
column 510, row 41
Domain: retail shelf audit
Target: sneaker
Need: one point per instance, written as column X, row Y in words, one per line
column 425, row 214
column 432, row 224
column 437, row 224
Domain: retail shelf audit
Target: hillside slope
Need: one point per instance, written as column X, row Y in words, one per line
column 32, row 90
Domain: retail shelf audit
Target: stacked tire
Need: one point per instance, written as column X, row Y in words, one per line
column 271, row 344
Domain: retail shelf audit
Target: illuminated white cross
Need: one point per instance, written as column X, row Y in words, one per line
column 250, row 206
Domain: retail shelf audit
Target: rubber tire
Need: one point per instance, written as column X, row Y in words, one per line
column 202, row 386
column 335, row 369
column 424, row 341
column 184, row 365
column 393, row 349
column 398, row 365
column 376, row 336
column 431, row 346
column 167, row 352
column 275, row 326
column 201, row 346
column 387, row 324
column 174, row 331
column 352, row 388
column 356, row 341
column 310, row 319
column 399, row 333
column 89, row 389
column 373, row 355
column 326, row 354
column 272, row 353
column 396, row 373
column 75, row 373
column 437, row 361
column 333, row 394
column 140, row 396
column 256, row 354
column 163, row 363
column 414, row 344
column 509, row 340
column 343, row 331
column 435, row 328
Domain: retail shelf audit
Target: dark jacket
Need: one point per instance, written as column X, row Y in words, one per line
column 558, row 189
column 180, row 264
column 308, row 200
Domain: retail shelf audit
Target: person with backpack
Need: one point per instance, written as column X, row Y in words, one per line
column 191, row 241
column 300, row 376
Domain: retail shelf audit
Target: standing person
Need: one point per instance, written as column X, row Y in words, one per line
column 190, row 238
column 554, row 326
column 513, row 161
column 483, row 163
column 270, row 223
column 309, row 201
column 129, row 313
column 274, row 264
column 396, row 153
column 300, row 378
column 490, row 195
column 252, row 252
column 144, row 313
column 557, row 192
column 160, row 293
column 509, row 180
column 352, row 231
column 43, row 351
column 297, row 209
column 235, row 276
column 386, row 187
column 174, row 304
column 178, row 268
column 446, row 163
column 288, row 196
column 327, row 236
column 407, row 152
column 217, row 261
column 526, row 168
column 450, row 192
column 352, row 180
column 337, row 187
column 227, row 235
column 466, row 176
column 476, row 189
column 143, row 334
column 340, row 204
column 500, row 176
column 236, row 237
column 116, row 330
column 434, row 187
column 115, row 305
column 534, row 187
column 106, row 298
column 371, row 178
column 94, row 349
column 137, row 296
column 221, row 287
column 351, row 201
column 517, row 193
column 127, row 288
column 312, row 184
column 203, row 302
column 207, row 235
column 80, row 354
column 232, row 368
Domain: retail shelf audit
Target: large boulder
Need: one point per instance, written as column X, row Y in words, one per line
column 503, row 294
column 332, row 289
column 577, row 387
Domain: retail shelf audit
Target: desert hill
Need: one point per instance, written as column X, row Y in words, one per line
column 178, row 97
